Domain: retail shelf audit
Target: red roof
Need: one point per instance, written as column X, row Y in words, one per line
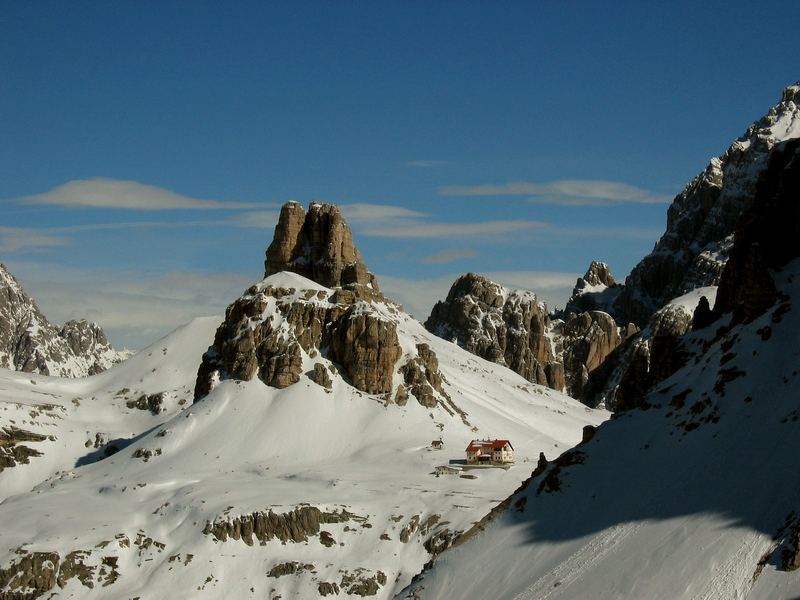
column 476, row 445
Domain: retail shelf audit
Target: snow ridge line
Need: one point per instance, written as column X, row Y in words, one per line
column 573, row 568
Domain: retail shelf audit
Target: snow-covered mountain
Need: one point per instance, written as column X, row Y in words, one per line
column 689, row 493
column 285, row 451
column 29, row 343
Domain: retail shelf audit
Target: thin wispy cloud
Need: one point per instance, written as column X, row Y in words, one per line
column 134, row 308
column 567, row 192
column 447, row 256
column 112, row 193
column 359, row 214
column 443, row 230
column 262, row 218
column 426, row 164
column 629, row 233
column 14, row 239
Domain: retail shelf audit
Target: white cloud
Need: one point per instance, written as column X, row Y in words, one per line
column 261, row 218
column 360, row 214
column 426, row 164
column 447, row 256
column 439, row 230
column 566, row 192
column 13, row 239
column 111, row 193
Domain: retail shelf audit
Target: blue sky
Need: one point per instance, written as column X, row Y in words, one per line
column 145, row 148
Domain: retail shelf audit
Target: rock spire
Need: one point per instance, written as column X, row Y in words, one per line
column 317, row 245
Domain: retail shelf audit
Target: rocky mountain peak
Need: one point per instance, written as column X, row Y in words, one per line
column 792, row 93
column 697, row 242
column 596, row 290
column 30, row 343
column 318, row 245
column 599, row 273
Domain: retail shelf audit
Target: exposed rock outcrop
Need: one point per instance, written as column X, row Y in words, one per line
column 588, row 339
column 293, row 526
column 513, row 329
column 268, row 331
column 596, row 290
column 317, row 245
column 509, row 328
column 766, row 237
column 366, row 346
column 279, row 326
column 29, row 343
column 422, row 377
column 12, row 450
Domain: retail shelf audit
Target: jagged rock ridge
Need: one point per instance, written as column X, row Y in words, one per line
column 701, row 487
column 509, row 328
column 29, row 343
column 513, row 329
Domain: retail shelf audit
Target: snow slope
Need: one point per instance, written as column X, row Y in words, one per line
column 349, row 474
column 695, row 497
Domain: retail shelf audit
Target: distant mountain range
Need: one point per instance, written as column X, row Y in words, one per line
column 29, row 343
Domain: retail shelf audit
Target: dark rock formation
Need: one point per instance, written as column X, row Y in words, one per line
column 267, row 331
column 596, row 290
column 665, row 356
column 34, row 574
column 421, row 375
column 322, row 377
column 12, row 450
column 588, row 339
column 766, row 237
column 509, row 329
column 150, row 402
column 703, row 316
column 317, row 245
column 366, row 346
column 515, row 330
column 29, row 343
column 294, row 526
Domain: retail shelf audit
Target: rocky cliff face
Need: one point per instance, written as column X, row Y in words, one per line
column 317, row 245
column 513, row 329
column 744, row 208
column 509, row 328
column 293, row 324
column 29, row 343
column 767, row 237
column 696, row 245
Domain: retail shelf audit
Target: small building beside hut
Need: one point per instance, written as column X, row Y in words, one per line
column 498, row 452
column 448, row 470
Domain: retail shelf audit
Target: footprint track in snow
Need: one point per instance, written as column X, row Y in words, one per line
column 581, row 562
